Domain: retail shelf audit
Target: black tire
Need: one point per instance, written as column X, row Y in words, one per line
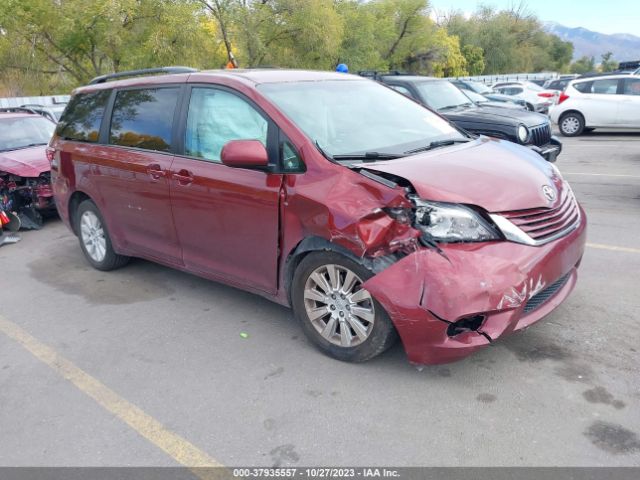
column 111, row 260
column 571, row 124
column 383, row 334
column 530, row 107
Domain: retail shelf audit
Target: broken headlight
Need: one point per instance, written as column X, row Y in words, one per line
column 450, row 222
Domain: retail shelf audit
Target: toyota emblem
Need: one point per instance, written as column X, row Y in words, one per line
column 549, row 193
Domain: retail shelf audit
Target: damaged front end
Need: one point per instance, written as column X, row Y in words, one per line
column 28, row 199
column 460, row 283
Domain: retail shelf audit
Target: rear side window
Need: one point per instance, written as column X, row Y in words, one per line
column 144, row 118
column 583, row 87
column 607, row 86
column 631, row 86
column 82, row 118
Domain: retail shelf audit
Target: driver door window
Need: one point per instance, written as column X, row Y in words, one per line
column 215, row 118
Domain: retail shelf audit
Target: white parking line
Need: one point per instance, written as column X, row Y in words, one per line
column 613, row 248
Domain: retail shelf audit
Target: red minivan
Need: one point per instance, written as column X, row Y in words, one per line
column 368, row 214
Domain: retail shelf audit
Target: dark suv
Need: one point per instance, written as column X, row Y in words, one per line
column 370, row 215
column 518, row 126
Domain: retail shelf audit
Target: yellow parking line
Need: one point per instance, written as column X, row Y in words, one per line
column 181, row 450
column 613, row 248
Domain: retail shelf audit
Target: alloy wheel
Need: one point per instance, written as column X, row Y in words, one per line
column 340, row 310
column 93, row 237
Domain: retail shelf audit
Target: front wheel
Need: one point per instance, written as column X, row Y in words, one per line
column 94, row 238
column 571, row 124
column 339, row 316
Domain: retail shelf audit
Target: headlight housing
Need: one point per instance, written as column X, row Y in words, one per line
column 523, row 134
column 450, row 222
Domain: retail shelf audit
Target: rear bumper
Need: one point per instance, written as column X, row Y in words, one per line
column 426, row 291
column 542, row 107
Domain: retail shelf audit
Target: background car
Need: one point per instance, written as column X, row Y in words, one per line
column 25, row 172
column 518, row 126
column 482, row 89
column 611, row 101
column 560, row 83
column 52, row 112
column 536, row 98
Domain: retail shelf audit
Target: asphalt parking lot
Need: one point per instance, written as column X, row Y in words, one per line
column 147, row 365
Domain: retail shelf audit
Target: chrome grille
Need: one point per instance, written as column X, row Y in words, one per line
column 541, row 135
column 540, row 298
column 543, row 223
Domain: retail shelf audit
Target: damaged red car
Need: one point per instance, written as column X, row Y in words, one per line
column 25, row 177
column 371, row 216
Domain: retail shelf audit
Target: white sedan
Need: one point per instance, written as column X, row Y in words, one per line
column 536, row 98
column 611, row 101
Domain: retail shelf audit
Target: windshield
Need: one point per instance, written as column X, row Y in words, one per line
column 442, row 95
column 476, row 97
column 22, row 132
column 479, row 87
column 358, row 116
column 533, row 86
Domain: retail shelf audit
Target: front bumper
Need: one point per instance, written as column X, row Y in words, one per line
column 427, row 291
column 549, row 151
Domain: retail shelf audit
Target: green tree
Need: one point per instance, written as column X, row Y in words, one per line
column 608, row 64
column 511, row 40
column 474, row 57
column 583, row 65
column 77, row 40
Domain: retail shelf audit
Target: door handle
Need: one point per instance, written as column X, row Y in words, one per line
column 184, row 177
column 155, row 171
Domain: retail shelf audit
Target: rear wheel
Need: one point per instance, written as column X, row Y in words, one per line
column 571, row 124
column 94, row 238
column 336, row 313
column 530, row 107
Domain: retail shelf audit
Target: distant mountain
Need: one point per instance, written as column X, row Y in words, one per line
column 587, row 42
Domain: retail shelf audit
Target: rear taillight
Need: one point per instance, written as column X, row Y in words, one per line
column 563, row 96
column 547, row 95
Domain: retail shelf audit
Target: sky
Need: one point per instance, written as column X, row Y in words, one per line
column 611, row 16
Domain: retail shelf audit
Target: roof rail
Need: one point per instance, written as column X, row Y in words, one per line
column 144, row 71
column 375, row 74
column 603, row 74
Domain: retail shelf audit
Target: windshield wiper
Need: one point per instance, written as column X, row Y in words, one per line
column 368, row 156
column 449, row 107
column 438, row 143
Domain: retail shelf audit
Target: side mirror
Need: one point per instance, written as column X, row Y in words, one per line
column 244, row 154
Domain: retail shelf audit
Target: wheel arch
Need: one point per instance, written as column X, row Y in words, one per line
column 306, row 246
column 572, row 110
column 75, row 200
column 319, row 244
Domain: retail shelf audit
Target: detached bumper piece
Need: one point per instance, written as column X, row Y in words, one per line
column 549, row 151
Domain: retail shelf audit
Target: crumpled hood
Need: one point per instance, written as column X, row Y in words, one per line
column 25, row 162
column 493, row 174
column 488, row 114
